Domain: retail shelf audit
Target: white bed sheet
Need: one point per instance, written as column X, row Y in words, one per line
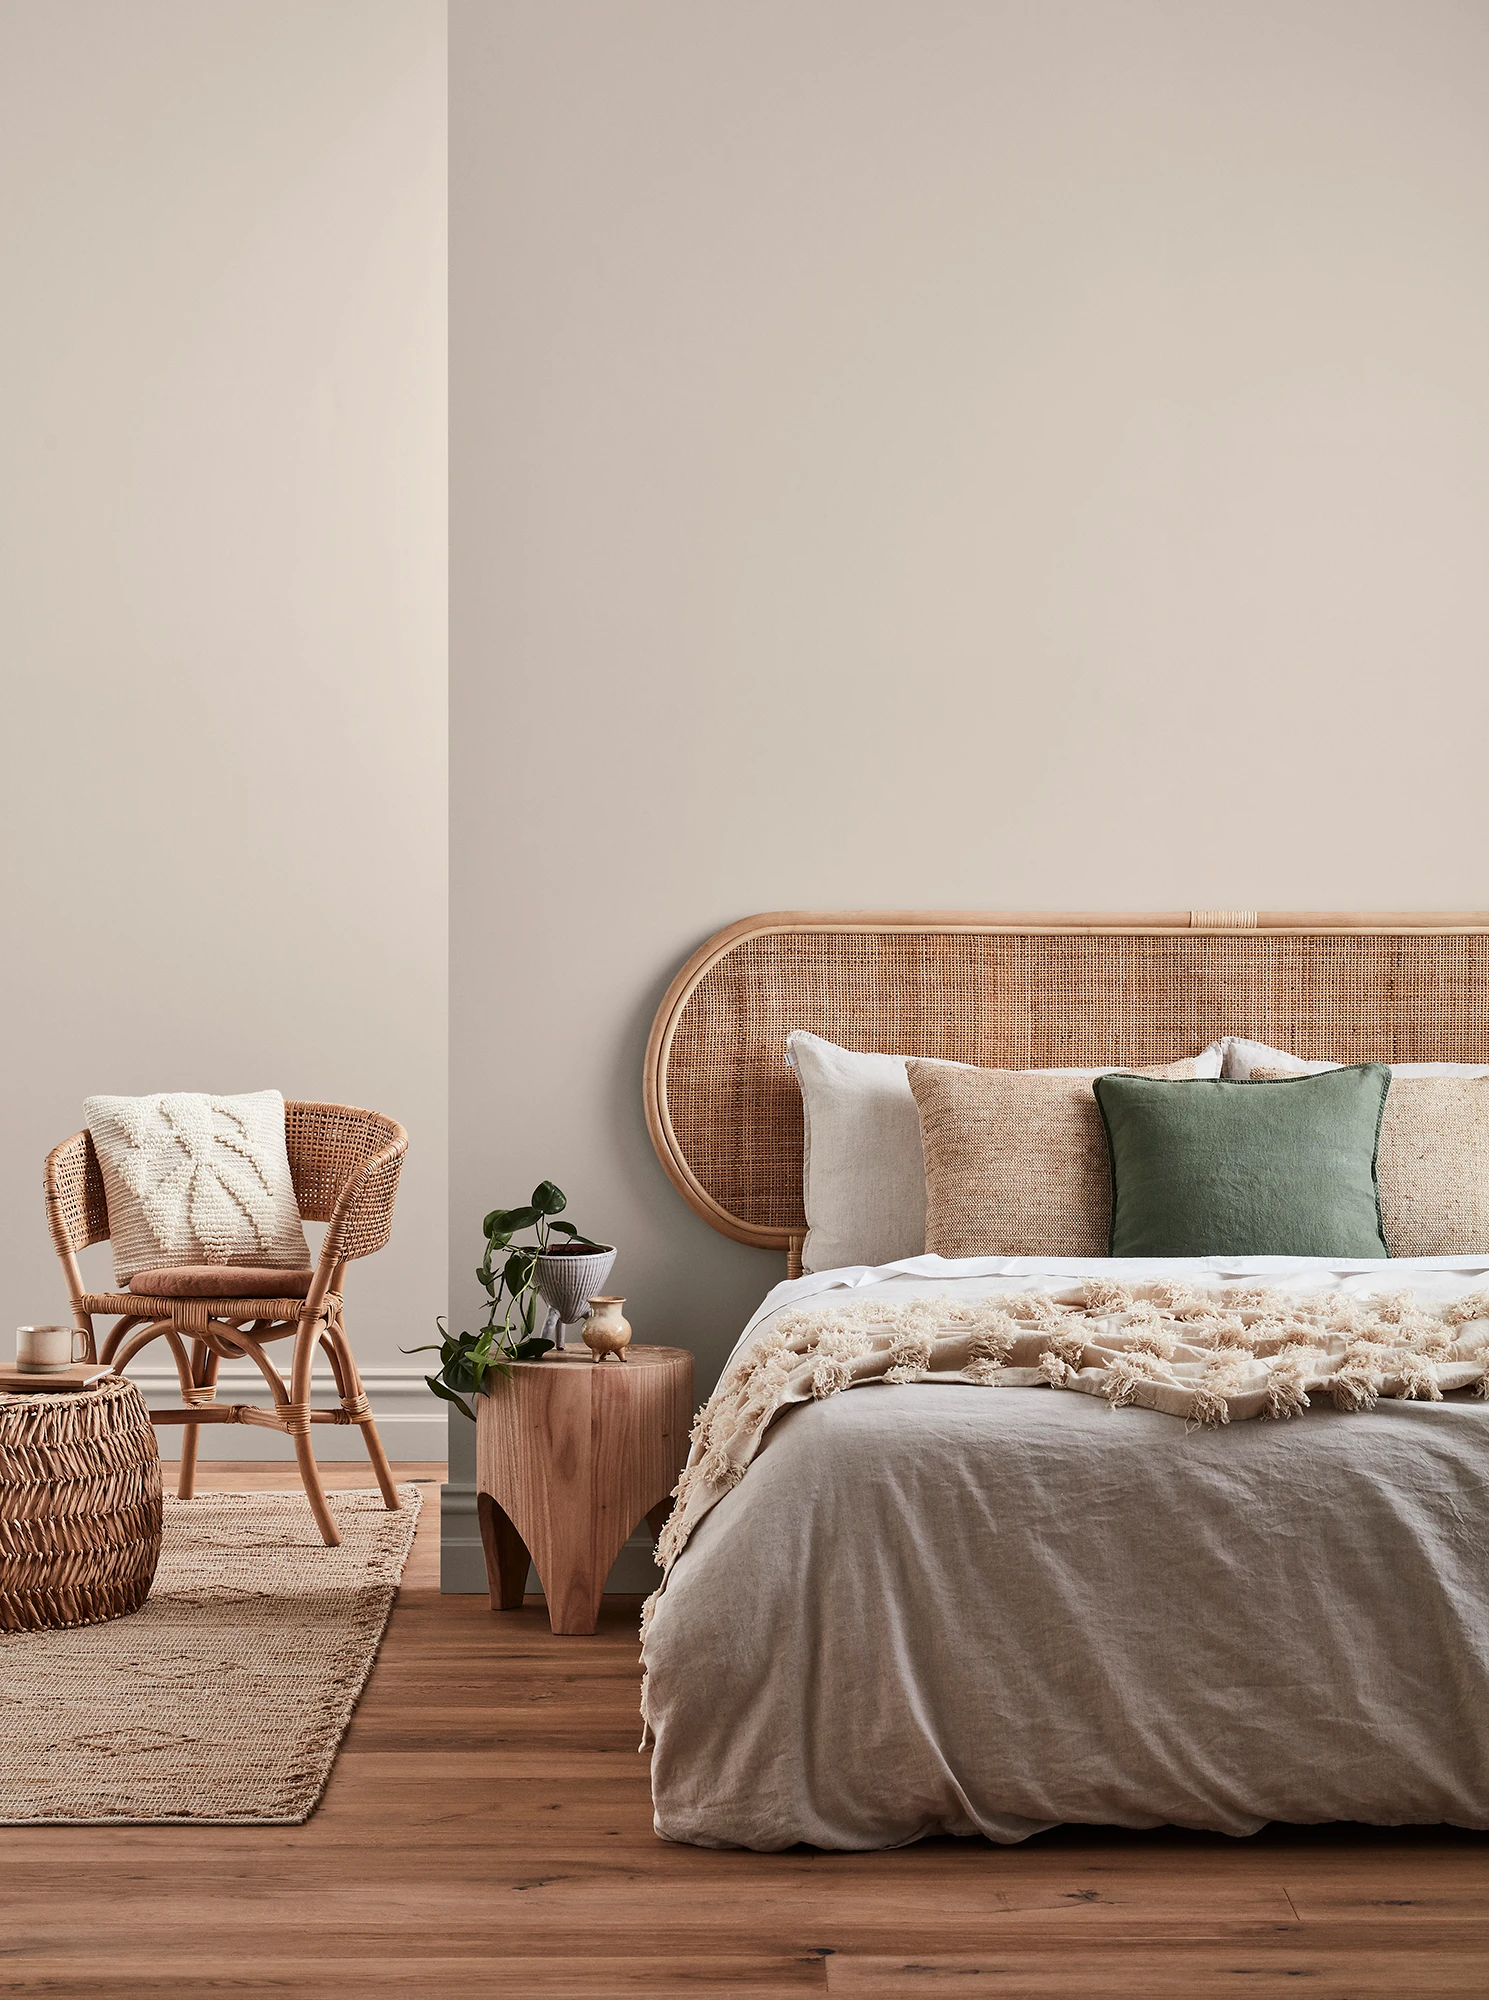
column 935, row 1608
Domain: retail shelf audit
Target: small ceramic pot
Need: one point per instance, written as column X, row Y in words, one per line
column 567, row 1278
column 607, row 1330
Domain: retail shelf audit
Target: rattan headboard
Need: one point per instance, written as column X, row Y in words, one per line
column 1017, row 991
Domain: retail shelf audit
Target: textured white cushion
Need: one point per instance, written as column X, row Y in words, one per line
column 1241, row 1057
column 193, row 1179
column 863, row 1169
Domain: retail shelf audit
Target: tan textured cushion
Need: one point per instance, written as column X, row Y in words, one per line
column 1433, row 1164
column 220, row 1281
column 1015, row 1161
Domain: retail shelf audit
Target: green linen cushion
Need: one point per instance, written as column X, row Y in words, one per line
column 1276, row 1169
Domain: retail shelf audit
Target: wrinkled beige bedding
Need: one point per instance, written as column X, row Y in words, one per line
column 942, row 1608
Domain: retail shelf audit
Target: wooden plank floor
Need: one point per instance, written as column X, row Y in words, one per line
column 488, row 1831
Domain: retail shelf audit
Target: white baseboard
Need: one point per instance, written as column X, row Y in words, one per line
column 410, row 1421
column 462, row 1566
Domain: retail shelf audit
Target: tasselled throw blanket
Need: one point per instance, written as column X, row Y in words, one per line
column 1202, row 1356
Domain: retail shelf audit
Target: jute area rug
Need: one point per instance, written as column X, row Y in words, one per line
column 224, row 1699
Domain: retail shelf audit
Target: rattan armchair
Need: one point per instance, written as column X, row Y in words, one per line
column 345, row 1165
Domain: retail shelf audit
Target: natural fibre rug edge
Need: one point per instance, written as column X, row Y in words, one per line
column 224, row 1699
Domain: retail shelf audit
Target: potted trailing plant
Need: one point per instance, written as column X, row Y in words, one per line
column 526, row 1271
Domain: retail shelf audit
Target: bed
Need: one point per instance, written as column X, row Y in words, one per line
column 923, row 1608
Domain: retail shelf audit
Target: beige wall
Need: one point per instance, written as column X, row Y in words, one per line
column 910, row 453
column 222, row 584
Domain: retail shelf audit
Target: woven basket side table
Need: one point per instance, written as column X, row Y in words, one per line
column 571, row 1454
column 80, row 1510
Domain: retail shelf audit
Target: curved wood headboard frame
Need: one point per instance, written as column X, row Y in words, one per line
column 1018, row 990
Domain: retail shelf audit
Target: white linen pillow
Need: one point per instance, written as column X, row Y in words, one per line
column 863, row 1167
column 196, row 1179
column 1241, row 1057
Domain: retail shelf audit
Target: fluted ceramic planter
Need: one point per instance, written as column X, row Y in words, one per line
column 568, row 1279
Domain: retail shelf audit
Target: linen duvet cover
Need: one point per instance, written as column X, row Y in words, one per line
column 978, row 1605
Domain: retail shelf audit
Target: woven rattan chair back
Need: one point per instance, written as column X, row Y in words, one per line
column 345, row 1165
column 328, row 1147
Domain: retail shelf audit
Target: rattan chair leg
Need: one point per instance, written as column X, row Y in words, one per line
column 298, row 1420
column 332, row 1354
column 251, row 1345
column 380, row 1464
column 186, row 1369
column 349, row 1385
column 186, row 1477
column 315, row 1493
column 204, row 1361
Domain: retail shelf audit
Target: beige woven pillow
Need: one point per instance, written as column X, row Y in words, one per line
column 1015, row 1161
column 1432, row 1164
column 195, row 1179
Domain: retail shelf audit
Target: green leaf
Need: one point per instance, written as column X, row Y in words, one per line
column 548, row 1199
column 504, row 1223
column 529, row 1350
column 562, row 1229
column 449, row 1396
column 518, row 1270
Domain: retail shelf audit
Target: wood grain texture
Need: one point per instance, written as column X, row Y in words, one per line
column 572, row 1454
column 1164, row 1970
column 487, row 1830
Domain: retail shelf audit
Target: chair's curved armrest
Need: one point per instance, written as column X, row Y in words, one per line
column 77, row 1208
column 362, row 1220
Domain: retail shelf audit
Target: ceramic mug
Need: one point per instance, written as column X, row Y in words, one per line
column 40, row 1349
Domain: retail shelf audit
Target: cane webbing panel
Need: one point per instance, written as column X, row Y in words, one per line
column 726, row 1114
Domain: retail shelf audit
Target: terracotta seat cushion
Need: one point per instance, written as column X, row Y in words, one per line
column 220, row 1281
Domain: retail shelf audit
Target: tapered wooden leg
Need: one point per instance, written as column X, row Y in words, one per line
column 506, row 1555
column 574, row 1596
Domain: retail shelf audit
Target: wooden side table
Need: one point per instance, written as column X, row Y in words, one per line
column 571, row 1454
